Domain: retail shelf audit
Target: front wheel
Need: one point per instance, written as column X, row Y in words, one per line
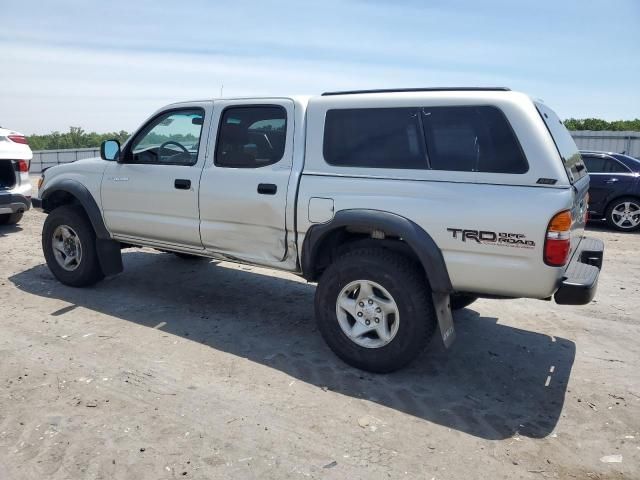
column 69, row 246
column 624, row 214
column 374, row 310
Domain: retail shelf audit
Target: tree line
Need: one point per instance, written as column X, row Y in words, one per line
column 76, row 137
column 599, row 124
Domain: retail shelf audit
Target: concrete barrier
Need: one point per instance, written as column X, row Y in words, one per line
column 48, row 158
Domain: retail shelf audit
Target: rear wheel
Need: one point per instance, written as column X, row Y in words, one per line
column 458, row 302
column 10, row 218
column 374, row 310
column 624, row 214
column 69, row 246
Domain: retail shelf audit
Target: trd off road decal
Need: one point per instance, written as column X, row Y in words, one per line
column 518, row 240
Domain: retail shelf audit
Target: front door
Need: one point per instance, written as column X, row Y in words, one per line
column 243, row 189
column 152, row 193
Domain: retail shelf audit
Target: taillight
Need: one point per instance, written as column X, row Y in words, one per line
column 23, row 166
column 18, row 139
column 557, row 245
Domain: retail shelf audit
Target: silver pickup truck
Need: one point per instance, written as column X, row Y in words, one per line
column 401, row 204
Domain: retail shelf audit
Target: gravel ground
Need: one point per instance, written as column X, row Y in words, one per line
column 183, row 369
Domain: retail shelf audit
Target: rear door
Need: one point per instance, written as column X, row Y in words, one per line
column 243, row 189
column 575, row 168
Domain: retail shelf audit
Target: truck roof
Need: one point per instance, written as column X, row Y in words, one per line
column 305, row 98
column 404, row 96
column 426, row 89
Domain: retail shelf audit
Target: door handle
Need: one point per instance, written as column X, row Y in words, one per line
column 267, row 188
column 612, row 180
column 182, row 184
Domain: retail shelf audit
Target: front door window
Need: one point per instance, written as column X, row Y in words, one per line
column 173, row 138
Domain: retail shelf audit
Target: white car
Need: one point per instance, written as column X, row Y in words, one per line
column 402, row 205
column 15, row 188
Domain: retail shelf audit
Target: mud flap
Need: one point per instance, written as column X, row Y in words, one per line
column 109, row 256
column 442, row 307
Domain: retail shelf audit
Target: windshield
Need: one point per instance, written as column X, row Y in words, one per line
column 567, row 148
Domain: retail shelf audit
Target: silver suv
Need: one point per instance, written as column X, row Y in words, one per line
column 401, row 204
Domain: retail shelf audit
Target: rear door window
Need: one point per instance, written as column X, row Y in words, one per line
column 251, row 137
column 565, row 144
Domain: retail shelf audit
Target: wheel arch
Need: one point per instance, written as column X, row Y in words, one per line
column 69, row 191
column 72, row 192
column 323, row 240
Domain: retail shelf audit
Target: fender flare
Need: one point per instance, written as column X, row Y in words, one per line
column 416, row 237
column 83, row 195
column 108, row 250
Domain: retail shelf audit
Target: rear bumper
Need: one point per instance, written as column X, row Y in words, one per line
column 13, row 203
column 580, row 280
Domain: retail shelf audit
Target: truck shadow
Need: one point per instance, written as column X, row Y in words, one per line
column 496, row 380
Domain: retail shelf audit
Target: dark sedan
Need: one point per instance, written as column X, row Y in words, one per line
column 615, row 189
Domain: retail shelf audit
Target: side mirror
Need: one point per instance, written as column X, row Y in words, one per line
column 110, row 150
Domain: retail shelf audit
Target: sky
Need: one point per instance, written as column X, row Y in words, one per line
column 106, row 66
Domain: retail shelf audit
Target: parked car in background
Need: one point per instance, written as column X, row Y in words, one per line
column 15, row 188
column 614, row 191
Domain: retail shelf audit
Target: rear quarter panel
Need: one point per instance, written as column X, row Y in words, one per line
column 505, row 205
column 485, row 266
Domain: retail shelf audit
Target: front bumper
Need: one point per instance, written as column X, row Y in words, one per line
column 36, row 203
column 13, row 203
column 580, row 280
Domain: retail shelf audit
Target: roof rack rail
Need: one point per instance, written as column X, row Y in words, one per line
column 433, row 89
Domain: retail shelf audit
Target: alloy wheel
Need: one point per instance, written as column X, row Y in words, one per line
column 367, row 313
column 67, row 248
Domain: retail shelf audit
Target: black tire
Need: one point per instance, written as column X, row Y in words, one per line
column 88, row 272
column 10, row 218
column 407, row 285
column 188, row 256
column 617, row 203
column 458, row 302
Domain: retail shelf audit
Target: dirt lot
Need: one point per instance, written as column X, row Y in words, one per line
column 179, row 369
